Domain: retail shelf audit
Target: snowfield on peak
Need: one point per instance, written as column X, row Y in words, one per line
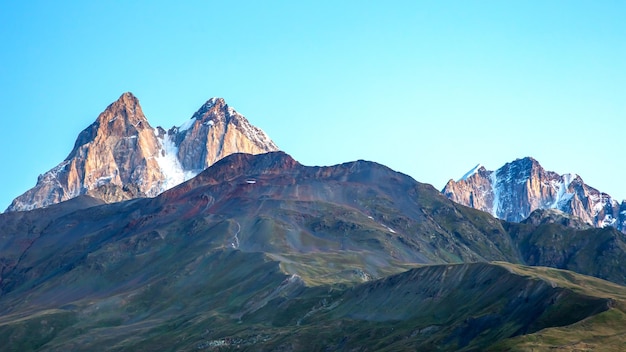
column 170, row 165
column 515, row 190
column 470, row 172
column 187, row 125
column 122, row 149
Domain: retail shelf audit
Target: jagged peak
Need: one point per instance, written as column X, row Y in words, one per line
column 122, row 117
column 526, row 162
column 211, row 112
column 128, row 96
column 215, row 101
column 212, row 105
column 471, row 172
column 126, row 100
column 127, row 108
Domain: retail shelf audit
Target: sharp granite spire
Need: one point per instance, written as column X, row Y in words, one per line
column 121, row 156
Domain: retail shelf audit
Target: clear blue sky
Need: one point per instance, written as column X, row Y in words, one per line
column 428, row 88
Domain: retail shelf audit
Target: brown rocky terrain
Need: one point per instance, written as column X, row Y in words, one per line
column 217, row 131
column 121, row 156
column 261, row 253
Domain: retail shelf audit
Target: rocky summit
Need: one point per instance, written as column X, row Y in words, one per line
column 518, row 188
column 121, row 156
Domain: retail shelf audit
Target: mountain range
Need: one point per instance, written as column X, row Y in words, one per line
column 259, row 252
column 120, row 156
column 515, row 190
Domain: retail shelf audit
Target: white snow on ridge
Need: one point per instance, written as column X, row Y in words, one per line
column 496, row 193
column 167, row 159
column 170, row 165
column 470, row 173
column 597, row 202
column 608, row 221
column 104, row 180
column 562, row 196
column 187, row 125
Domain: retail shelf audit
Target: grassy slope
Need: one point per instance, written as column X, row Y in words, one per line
column 152, row 273
column 605, row 331
column 231, row 298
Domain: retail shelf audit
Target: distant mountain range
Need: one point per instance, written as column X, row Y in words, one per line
column 518, row 188
column 132, row 243
column 120, row 156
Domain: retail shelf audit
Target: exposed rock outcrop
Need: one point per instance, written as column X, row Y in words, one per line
column 555, row 216
column 121, row 156
column 518, row 188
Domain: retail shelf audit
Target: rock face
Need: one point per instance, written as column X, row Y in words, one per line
column 518, row 188
column 120, row 156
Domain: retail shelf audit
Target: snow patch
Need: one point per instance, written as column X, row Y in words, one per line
column 387, row 227
column 104, row 180
column 566, row 198
column 170, row 165
column 187, row 125
column 608, row 221
column 58, row 169
column 597, row 201
column 496, row 193
column 561, row 186
column 470, row 173
column 235, row 243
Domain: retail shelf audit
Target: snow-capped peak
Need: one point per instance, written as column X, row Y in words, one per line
column 470, row 172
column 516, row 189
column 187, row 125
column 211, row 103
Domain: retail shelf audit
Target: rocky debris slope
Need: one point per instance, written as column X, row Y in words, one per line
column 121, row 156
column 518, row 188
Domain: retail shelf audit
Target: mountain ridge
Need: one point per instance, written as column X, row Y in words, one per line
column 262, row 252
column 516, row 189
column 121, row 156
column 259, row 252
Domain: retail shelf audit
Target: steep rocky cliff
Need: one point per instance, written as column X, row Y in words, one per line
column 121, row 156
column 518, row 188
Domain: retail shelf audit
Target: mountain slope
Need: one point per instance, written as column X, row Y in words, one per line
column 120, row 156
column 234, row 300
column 259, row 252
column 515, row 190
column 365, row 219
